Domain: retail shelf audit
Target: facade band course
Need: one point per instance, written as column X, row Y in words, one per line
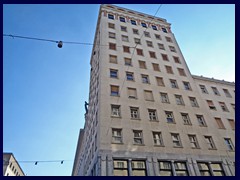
column 147, row 115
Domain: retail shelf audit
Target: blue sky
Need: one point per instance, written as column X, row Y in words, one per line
column 44, row 87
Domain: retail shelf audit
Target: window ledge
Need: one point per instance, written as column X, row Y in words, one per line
column 139, row 144
column 135, row 119
column 120, row 117
column 178, row 146
column 117, row 143
column 159, row 146
column 212, row 148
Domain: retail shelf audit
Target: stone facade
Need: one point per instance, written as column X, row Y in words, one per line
column 11, row 166
column 147, row 114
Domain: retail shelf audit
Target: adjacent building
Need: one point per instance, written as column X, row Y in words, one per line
column 147, row 115
column 11, row 166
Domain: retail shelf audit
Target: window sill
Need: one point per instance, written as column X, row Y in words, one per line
column 153, row 120
column 135, row 119
column 178, row 146
column 196, row 148
column 115, row 95
column 139, row 144
column 159, row 146
column 149, row 100
column 117, row 143
column 119, row 117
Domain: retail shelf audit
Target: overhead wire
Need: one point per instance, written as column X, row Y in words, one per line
column 54, row 41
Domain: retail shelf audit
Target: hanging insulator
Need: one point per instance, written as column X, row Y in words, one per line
column 60, row 44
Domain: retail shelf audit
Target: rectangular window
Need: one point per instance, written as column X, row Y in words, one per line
column 128, row 61
column 134, row 112
column 113, row 73
column 125, row 38
column 210, row 169
column 137, row 137
column 223, row 106
column 112, row 35
column 138, row 168
column 124, row 28
column 204, row 169
column 142, row 64
column 152, row 54
column 114, row 90
column 164, row 98
column 149, row 43
column 193, row 141
column 193, row 102
column 113, row 59
column 186, row 119
column 217, row 169
column 176, row 59
column 152, row 114
column 110, row 16
column 129, row 76
column 231, row 123
column 220, row 123
column 169, row 69
column 168, row 39
column 179, row 99
column 132, row 93
column 155, row 67
column 215, row 91
column 165, row 168
column 139, row 52
column 111, row 25
column 169, row 117
column 181, row 72
column 233, row 106
column 157, row 139
column 164, row 30
column 160, row 81
column 133, row 22
column 161, row 46
column 226, row 92
column 158, row 37
column 137, row 41
column 122, row 19
column 148, row 95
column 144, row 24
column 211, row 105
column 172, row 49
column 201, row 120
column 116, row 135
column 112, row 46
column 126, row 49
column 229, row 144
column 154, row 27
column 147, row 34
column 164, row 57
column 145, row 79
column 181, row 168
column 173, row 83
column 135, row 31
column 120, row 168
column 176, row 140
column 115, row 110
column 187, row 86
column 210, row 142
column 203, row 89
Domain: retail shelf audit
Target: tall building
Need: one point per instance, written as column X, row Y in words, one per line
column 11, row 166
column 147, row 114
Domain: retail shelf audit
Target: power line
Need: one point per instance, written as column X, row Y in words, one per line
column 36, row 162
column 60, row 43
